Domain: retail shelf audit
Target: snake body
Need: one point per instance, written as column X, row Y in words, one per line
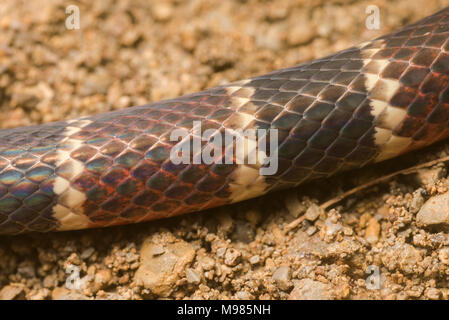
column 365, row 104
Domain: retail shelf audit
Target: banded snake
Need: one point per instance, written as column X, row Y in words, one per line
column 365, row 104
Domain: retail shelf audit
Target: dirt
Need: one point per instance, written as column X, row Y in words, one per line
column 371, row 245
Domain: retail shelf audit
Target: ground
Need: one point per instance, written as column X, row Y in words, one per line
column 134, row 52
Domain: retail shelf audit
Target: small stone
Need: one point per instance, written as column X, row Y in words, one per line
column 372, row 231
column 26, row 269
column 443, row 255
column 87, row 253
column 157, row 250
column 384, row 211
column 254, row 259
column 417, row 201
column 301, row 33
column 272, row 39
column 50, row 281
column 232, row 257
column 269, row 263
column 124, row 279
column 94, row 84
column 435, row 211
column 415, row 291
column 130, row 38
column 161, row 273
column 40, row 294
column 162, row 12
column 294, row 207
column 311, row 230
column 428, row 176
column 402, row 256
column 62, row 293
column 308, row 289
column 313, row 212
column 276, row 12
column 226, row 222
column 10, row 292
column 207, row 263
column 243, row 232
column 253, row 216
column 433, row 294
column 221, row 252
column 330, row 229
column 192, row 276
column 364, row 219
column 123, row 102
column 243, row 295
column 26, row 99
column 282, row 278
column 102, row 278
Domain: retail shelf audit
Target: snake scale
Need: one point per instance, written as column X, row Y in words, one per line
column 371, row 102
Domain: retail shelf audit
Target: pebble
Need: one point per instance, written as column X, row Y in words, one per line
column 50, row 281
column 232, row 257
column 301, row 33
column 313, row 212
column 123, row 279
column 157, row 250
column 254, row 259
column 330, row 229
column 282, row 278
column 435, row 211
column 402, row 256
column 160, row 273
column 192, row 276
column 443, row 255
column 102, row 278
column 293, row 205
column 10, row 292
column 62, row 293
column 372, row 231
column 433, row 294
column 311, row 230
column 130, row 38
column 428, row 176
column 221, row 252
column 226, row 222
column 87, row 253
column 244, row 295
column 308, row 289
column 26, row 269
column 40, row 294
column 417, row 201
column 207, row 263
column 243, row 232
column 162, row 12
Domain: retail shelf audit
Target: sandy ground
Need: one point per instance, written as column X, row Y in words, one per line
column 133, row 52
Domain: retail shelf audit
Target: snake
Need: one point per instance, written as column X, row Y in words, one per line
column 368, row 103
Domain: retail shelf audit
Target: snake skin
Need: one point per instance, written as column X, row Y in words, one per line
column 365, row 104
